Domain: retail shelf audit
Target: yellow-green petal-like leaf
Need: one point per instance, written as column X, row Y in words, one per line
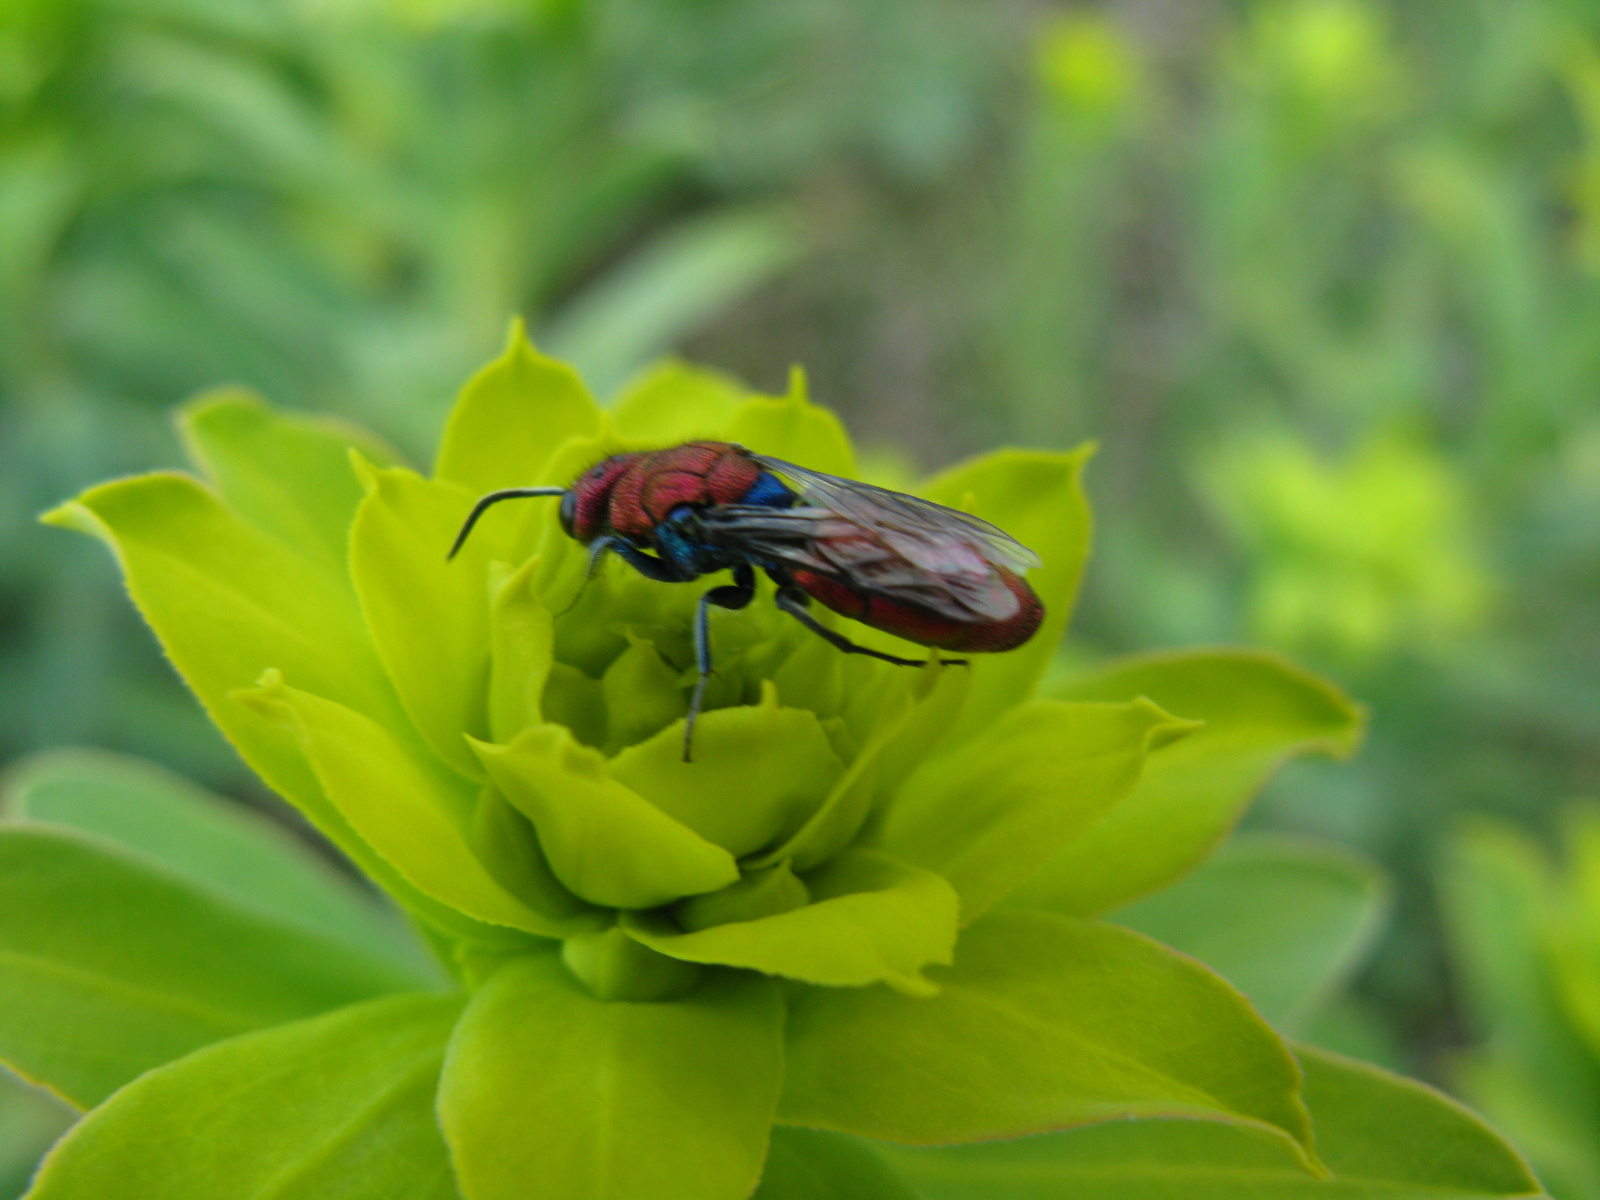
column 676, row 402
column 1037, row 498
column 1373, row 1124
column 792, row 428
column 839, row 818
column 1044, row 1022
column 989, row 813
column 288, row 474
column 550, row 1094
column 940, row 697
column 759, row 772
column 521, row 643
column 604, row 841
column 512, row 417
column 508, row 846
column 759, row 892
column 574, row 700
column 1258, row 710
column 871, row 918
column 642, row 696
column 110, row 966
column 1285, row 920
column 429, row 617
column 228, row 602
column 1382, row 1136
column 215, row 843
column 341, row 1105
column 413, row 813
column 808, row 1164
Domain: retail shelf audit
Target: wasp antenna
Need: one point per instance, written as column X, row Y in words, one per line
column 493, row 498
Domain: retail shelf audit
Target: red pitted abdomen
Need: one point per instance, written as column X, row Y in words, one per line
column 927, row 628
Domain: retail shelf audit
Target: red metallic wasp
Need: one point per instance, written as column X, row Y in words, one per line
column 918, row 570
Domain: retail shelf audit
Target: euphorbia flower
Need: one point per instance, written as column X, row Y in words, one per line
column 861, row 908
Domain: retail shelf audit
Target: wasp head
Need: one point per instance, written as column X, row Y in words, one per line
column 586, row 508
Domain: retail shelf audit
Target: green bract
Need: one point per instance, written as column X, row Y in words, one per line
column 867, row 909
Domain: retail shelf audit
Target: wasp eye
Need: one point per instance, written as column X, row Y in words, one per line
column 568, row 512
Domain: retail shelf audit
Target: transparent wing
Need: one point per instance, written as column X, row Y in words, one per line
column 815, row 539
column 876, row 540
column 910, row 516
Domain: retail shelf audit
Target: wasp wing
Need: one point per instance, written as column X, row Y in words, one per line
column 933, row 524
column 899, row 546
column 816, row 539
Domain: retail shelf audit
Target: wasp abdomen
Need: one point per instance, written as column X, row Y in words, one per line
column 923, row 626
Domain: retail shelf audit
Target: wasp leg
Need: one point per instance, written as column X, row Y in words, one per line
column 734, row 596
column 793, row 601
column 598, row 549
column 648, row 565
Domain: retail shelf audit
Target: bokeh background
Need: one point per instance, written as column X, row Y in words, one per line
column 1321, row 276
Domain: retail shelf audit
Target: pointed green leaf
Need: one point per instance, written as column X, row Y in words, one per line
column 110, row 966
column 429, row 617
column 573, row 700
column 210, row 841
column 989, row 813
column 1372, row 1124
column 1283, row 919
column 412, row 812
column 550, row 1094
column 839, row 818
column 341, row 1105
column 792, row 428
column 674, row 402
column 512, row 417
column 812, row 677
column 1038, row 499
column 1558, row 1140
column 642, row 697
column 1258, row 709
column 521, row 645
column 288, row 474
column 940, row 697
column 759, row 892
column 1384, row 1138
column 228, row 602
column 604, row 841
column 1043, row 1022
column 759, row 772
column 508, row 846
column 871, row 918
column 808, row 1164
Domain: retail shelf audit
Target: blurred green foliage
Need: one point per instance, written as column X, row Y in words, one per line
column 1526, row 932
column 1321, row 275
column 341, row 204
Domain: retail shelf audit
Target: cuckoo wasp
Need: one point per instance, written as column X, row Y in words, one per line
column 921, row 571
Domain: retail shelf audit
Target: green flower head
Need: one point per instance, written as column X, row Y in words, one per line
column 695, row 950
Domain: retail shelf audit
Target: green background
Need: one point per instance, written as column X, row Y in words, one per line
column 1322, row 277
